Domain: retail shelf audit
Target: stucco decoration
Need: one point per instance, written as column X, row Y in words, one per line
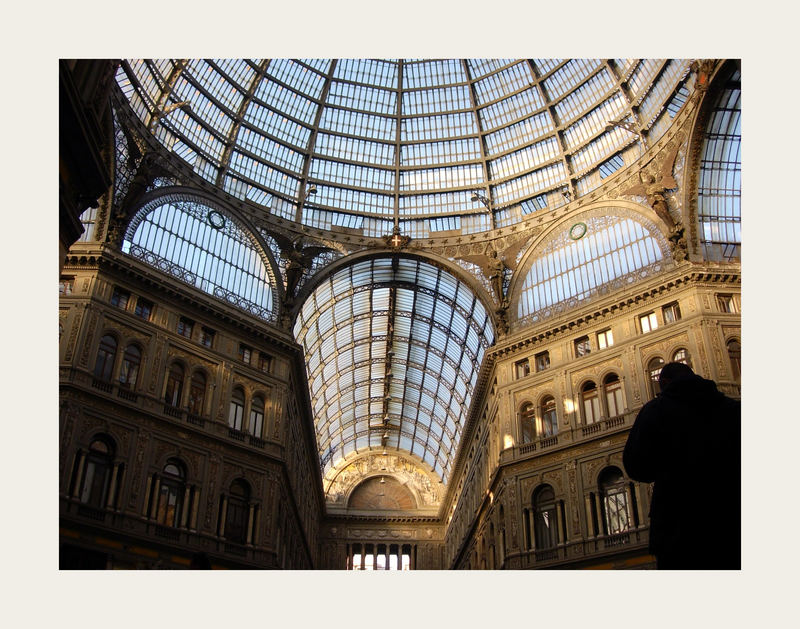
column 424, row 486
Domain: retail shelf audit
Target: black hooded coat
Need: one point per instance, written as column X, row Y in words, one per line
column 687, row 441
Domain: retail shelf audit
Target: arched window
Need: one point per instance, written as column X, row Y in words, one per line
column 527, row 416
column 96, row 478
column 578, row 260
column 174, row 391
column 548, row 424
column 613, row 392
column 545, row 530
column 616, row 515
column 257, row 416
column 682, row 356
column 106, row 353
column 170, row 494
column 237, row 513
column 236, row 412
column 654, row 371
column 591, row 403
column 719, row 189
column 735, row 355
column 197, row 393
column 129, row 370
column 204, row 247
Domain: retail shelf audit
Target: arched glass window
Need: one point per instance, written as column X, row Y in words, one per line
column 97, row 474
column 613, row 391
column 735, row 355
column 527, row 416
column 236, row 412
column 129, row 370
column 170, row 494
column 616, row 515
column 174, row 391
column 257, row 416
column 719, row 189
column 197, row 393
column 654, row 371
column 591, row 403
column 238, row 512
column 202, row 246
column 577, row 262
column 106, row 353
column 545, row 529
column 682, row 356
column 548, row 424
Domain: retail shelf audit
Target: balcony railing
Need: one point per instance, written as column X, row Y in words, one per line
column 236, row 434
column 197, row 420
column 172, row 411
column 102, row 385
column 127, row 394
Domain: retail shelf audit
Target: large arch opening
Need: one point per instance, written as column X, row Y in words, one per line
column 393, row 348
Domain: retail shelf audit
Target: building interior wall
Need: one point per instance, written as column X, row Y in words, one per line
column 151, row 471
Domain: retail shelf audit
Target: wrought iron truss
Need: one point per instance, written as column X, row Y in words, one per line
column 393, row 348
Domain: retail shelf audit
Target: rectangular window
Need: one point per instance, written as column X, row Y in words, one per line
column 648, row 322
column 522, row 368
column 206, row 336
column 66, row 285
column 264, row 361
column 120, row 297
column 185, row 327
column 582, row 346
column 672, row 313
column 144, row 308
column 245, row 353
column 726, row 303
column 542, row 361
column 605, row 339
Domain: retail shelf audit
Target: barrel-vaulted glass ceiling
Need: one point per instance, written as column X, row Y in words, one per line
column 428, row 145
column 393, row 347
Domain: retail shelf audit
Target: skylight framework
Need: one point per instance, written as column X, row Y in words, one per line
column 202, row 246
column 393, row 349
column 585, row 259
column 406, row 130
column 720, row 186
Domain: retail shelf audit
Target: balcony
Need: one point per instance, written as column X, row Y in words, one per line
column 569, row 437
column 197, row 420
column 588, row 549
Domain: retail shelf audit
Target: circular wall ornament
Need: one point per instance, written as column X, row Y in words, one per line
column 577, row 231
column 215, row 219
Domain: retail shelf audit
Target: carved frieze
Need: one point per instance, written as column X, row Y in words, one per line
column 382, row 533
column 661, row 347
column 426, row 490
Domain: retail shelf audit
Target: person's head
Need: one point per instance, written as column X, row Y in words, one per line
column 672, row 372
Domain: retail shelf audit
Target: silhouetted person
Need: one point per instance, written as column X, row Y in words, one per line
column 200, row 561
column 687, row 441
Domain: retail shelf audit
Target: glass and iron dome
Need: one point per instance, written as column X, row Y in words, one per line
column 393, row 347
column 428, row 145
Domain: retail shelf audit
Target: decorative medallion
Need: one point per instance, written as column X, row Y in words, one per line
column 215, row 219
column 577, row 231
